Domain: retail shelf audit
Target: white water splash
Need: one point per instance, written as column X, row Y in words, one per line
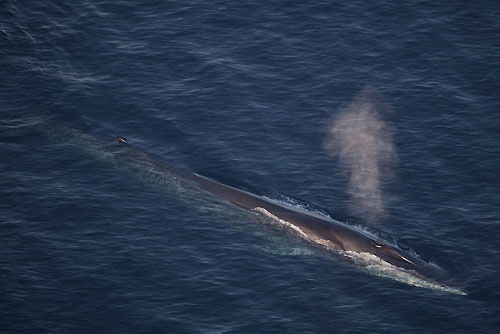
column 282, row 222
column 370, row 263
column 373, row 265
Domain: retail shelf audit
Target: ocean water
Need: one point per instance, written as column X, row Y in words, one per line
column 243, row 92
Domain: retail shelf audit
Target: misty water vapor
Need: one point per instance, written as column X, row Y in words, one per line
column 363, row 141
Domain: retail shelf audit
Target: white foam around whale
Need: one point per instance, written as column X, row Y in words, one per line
column 282, row 222
column 372, row 264
column 378, row 267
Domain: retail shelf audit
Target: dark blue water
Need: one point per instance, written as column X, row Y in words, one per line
column 243, row 92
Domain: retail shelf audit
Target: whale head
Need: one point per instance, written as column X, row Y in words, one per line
column 394, row 256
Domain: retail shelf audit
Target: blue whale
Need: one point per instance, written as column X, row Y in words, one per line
column 318, row 230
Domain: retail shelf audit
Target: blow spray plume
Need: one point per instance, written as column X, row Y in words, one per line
column 363, row 141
